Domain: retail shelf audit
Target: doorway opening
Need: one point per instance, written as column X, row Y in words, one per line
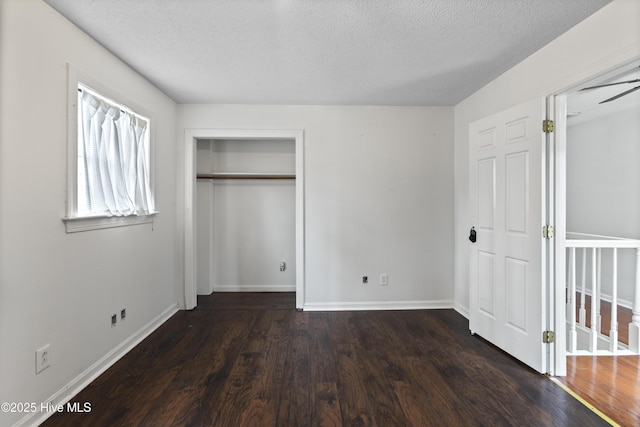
column 602, row 206
column 598, row 248
column 226, row 165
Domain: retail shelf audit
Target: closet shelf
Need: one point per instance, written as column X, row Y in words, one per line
column 245, row 176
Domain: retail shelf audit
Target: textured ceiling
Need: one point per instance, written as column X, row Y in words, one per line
column 353, row 52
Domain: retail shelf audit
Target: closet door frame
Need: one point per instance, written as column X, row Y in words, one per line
column 191, row 138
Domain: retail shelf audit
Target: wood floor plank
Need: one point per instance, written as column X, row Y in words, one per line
column 323, row 345
column 610, row 383
column 352, row 391
column 253, row 359
column 295, row 405
column 431, row 403
column 326, row 411
column 238, row 390
column 372, row 343
column 259, row 413
column 270, row 377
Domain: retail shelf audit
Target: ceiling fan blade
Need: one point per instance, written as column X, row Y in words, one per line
column 611, row 84
column 620, row 95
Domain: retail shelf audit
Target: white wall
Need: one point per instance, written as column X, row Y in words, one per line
column 60, row 288
column 603, row 175
column 204, row 219
column 603, row 41
column 379, row 197
column 603, row 187
column 246, row 227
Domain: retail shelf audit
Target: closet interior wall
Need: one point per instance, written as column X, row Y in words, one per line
column 245, row 227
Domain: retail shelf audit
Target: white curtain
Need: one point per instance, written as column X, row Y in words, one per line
column 113, row 160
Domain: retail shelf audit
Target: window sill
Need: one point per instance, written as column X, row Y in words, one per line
column 88, row 223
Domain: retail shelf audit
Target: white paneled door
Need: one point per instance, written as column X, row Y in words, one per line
column 507, row 176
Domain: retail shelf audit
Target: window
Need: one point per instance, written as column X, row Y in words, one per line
column 113, row 158
column 110, row 172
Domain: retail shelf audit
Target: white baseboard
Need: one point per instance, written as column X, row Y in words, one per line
column 621, row 302
column 66, row 393
column 461, row 309
column 583, row 335
column 254, row 288
column 608, row 298
column 378, row 305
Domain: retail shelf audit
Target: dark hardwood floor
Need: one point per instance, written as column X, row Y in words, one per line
column 253, row 360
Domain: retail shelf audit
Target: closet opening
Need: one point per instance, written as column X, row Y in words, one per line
column 244, row 220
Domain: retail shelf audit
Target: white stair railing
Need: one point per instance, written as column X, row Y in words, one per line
column 583, row 339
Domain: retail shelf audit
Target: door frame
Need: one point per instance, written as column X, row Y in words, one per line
column 556, row 248
column 190, row 141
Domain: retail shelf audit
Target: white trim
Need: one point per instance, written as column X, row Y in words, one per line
column 572, row 235
column 604, row 244
column 66, row 393
column 464, row 311
column 191, row 135
column 190, row 250
column 608, row 298
column 602, row 341
column 254, row 288
column 77, row 224
column 379, row 305
column 558, row 218
column 300, row 216
column 548, row 287
column 620, row 352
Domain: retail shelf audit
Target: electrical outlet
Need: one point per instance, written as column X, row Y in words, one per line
column 114, row 320
column 384, row 279
column 365, row 280
column 43, row 358
column 283, row 266
column 123, row 313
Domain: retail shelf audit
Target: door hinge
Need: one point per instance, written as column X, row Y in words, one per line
column 548, row 126
column 548, row 337
column 547, row 232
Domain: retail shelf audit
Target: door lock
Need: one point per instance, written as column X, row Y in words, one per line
column 472, row 235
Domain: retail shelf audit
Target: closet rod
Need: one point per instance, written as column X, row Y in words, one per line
column 245, row 176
